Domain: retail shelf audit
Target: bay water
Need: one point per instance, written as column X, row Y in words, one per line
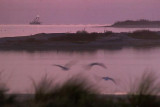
column 18, row 68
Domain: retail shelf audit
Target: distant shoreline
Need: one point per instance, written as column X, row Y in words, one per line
column 82, row 41
column 136, row 24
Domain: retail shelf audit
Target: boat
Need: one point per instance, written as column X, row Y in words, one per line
column 36, row 21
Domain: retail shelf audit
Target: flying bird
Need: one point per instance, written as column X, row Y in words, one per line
column 105, row 78
column 66, row 67
column 96, row 64
column 62, row 67
column 108, row 78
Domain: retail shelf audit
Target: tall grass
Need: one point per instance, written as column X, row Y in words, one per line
column 75, row 92
column 78, row 92
column 144, row 92
column 42, row 89
column 5, row 100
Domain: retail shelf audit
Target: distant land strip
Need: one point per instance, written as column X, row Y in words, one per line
column 142, row 23
column 82, row 41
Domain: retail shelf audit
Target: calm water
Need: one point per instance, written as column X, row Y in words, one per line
column 24, row 30
column 17, row 68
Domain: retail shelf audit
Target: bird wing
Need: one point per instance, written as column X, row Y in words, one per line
column 69, row 64
column 59, row 66
column 102, row 65
column 96, row 63
column 108, row 78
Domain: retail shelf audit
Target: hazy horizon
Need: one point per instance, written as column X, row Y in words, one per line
column 77, row 11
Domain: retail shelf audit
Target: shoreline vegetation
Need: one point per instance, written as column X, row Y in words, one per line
column 79, row 92
column 82, row 40
column 136, row 24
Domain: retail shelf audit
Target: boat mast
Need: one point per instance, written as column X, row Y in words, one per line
column 36, row 19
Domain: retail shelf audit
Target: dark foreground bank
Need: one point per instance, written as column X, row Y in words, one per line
column 78, row 92
column 82, row 41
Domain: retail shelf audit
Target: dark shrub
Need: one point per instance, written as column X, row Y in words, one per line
column 144, row 34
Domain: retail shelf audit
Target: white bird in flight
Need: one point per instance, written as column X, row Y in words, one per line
column 96, row 64
column 66, row 67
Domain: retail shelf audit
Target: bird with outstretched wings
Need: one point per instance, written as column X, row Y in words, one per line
column 65, row 67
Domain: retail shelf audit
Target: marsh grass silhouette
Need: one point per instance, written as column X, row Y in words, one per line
column 79, row 92
column 144, row 92
column 42, row 88
column 5, row 100
column 75, row 92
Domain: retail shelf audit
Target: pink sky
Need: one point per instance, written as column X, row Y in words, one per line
column 77, row 11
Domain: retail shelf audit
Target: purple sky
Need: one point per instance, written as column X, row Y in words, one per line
column 77, row 11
